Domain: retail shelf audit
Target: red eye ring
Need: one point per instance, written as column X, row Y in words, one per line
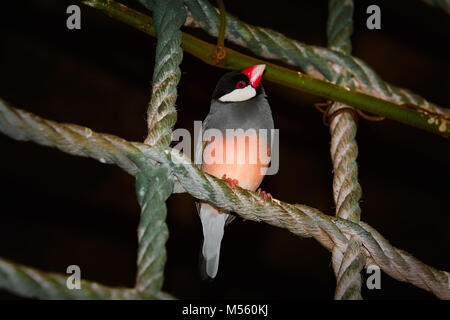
column 240, row 84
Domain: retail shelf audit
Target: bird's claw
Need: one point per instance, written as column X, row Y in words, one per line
column 232, row 182
column 266, row 195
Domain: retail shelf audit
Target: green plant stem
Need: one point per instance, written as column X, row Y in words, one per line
column 223, row 24
column 410, row 115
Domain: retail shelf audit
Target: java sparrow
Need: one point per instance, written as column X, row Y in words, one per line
column 238, row 102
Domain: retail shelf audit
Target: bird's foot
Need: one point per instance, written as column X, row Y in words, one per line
column 266, row 195
column 232, row 182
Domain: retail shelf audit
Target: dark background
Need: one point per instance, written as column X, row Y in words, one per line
column 57, row 210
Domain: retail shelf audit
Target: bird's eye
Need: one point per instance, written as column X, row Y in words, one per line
column 240, row 84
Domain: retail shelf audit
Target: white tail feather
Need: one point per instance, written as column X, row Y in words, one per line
column 213, row 223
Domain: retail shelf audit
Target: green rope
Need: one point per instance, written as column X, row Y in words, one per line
column 152, row 189
column 104, row 148
column 340, row 25
column 32, row 283
column 169, row 16
column 154, row 186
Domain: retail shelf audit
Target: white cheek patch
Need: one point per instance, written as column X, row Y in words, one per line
column 239, row 94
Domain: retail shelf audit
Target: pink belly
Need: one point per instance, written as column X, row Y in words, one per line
column 244, row 158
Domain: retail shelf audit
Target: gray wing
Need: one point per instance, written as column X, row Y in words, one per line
column 198, row 154
column 198, row 158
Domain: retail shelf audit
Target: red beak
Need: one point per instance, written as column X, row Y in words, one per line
column 254, row 73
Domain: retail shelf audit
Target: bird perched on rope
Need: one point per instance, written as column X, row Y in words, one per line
column 238, row 150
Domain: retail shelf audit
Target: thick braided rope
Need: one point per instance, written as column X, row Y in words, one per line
column 340, row 25
column 299, row 219
column 347, row 265
column 74, row 139
column 316, row 61
column 169, row 16
column 69, row 138
column 32, row 283
column 346, row 193
column 153, row 187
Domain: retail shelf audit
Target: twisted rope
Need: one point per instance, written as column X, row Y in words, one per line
column 75, row 140
column 153, row 187
column 316, row 61
column 299, row 219
column 340, row 25
column 32, row 283
column 347, row 192
column 24, row 126
column 169, row 16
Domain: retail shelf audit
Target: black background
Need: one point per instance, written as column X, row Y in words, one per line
column 57, row 210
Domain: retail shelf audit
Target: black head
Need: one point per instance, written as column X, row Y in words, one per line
column 238, row 86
